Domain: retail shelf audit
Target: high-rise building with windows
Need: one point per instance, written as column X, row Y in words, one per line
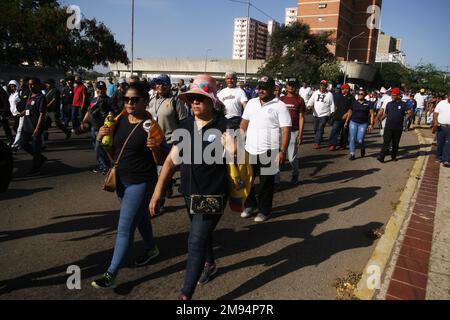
column 291, row 16
column 345, row 19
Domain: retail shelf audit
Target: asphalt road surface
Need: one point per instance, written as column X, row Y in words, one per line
column 318, row 231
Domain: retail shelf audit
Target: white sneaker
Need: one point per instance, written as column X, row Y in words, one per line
column 248, row 212
column 261, row 217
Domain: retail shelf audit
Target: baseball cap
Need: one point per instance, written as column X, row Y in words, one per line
column 100, row 85
column 396, row 91
column 122, row 81
column 266, row 82
column 324, row 82
column 345, row 86
column 292, row 81
column 422, row 90
column 164, row 78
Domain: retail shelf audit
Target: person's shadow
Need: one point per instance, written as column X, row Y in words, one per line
column 311, row 251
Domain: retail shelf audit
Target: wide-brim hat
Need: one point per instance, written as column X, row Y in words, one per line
column 206, row 86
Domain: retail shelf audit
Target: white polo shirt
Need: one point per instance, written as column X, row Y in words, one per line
column 421, row 99
column 233, row 99
column 265, row 122
column 443, row 110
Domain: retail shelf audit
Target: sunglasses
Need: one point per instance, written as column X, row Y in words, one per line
column 196, row 97
column 132, row 100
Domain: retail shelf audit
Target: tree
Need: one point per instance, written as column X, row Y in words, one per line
column 331, row 71
column 297, row 53
column 35, row 31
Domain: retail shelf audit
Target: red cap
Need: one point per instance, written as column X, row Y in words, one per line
column 324, row 82
column 345, row 86
column 396, row 91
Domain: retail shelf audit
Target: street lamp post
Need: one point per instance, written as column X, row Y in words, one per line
column 348, row 53
column 247, row 44
column 206, row 58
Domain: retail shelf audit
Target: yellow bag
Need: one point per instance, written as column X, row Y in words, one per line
column 240, row 183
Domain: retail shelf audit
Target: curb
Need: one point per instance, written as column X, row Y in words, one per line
column 375, row 268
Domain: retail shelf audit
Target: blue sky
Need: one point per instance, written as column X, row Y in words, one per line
column 180, row 28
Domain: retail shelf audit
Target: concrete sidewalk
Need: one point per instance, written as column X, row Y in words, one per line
column 419, row 268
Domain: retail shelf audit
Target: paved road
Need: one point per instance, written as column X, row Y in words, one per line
column 318, row 232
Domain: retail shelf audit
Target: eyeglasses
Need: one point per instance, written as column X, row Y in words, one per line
column 131, row 100
column 196, row 97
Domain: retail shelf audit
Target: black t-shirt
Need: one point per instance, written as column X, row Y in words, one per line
column 360, row 111
column 98, row 110
column 136, row 165
column 208, row 179
column 67, row 95
column 34, row 107
column 53, row 94
column 343, row 104
column 395, row 115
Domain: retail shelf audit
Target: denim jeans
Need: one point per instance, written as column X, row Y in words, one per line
column 357, row 135
column 66, row 114
column 33, row 146
column 338, row 131
column 134, row 214
column 200, row 247
column 319, row 128
column 419, row 113
column 76, row 117
column 102, row 158
column 443, row 144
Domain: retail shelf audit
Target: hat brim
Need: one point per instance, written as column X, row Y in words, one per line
column 184, row 96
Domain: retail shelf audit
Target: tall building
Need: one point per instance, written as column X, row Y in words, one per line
column 389, row 49
column 291, row 16
column 272, row 26
column 258, row 40
column 345, row 19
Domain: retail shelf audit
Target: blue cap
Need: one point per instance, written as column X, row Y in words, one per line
column 164, row 78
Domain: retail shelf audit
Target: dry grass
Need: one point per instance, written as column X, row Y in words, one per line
column 346, row 286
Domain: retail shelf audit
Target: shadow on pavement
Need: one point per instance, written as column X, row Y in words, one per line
column 313, row 250
column 344, row 176
column 20, row 193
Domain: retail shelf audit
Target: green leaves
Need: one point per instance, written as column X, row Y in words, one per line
column 297, row 53
column 35, row 31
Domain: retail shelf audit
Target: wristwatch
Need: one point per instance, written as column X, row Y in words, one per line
column 282, row 151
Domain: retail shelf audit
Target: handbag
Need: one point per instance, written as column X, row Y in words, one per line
column 110, row 184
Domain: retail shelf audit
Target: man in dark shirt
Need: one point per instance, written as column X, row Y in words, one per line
column 33, row 124
column 395, row 113
column 66, row 101
column 343, row 102
column 53, row 107
column 117, row 101
column 97, row 112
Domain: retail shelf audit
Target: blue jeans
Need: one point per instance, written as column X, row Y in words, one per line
column 443, row 144
column 33, row 146
column 357, row 135
column 102, row 158
column 76, row 117
column 419, row 113
column 200, row 247
column 319, row 128
column 338, row 131
column 66, row 114
column 134, row 214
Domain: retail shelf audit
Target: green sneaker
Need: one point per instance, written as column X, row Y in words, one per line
column 149, row 256
column 107, row 281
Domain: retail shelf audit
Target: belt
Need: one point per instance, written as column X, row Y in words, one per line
column 444, row 125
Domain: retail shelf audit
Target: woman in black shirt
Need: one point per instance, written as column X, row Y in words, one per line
column 136, row 179
column 201, row 178
column 359, row 123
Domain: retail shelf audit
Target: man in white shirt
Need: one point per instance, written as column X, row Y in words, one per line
column 442, row 127
column 421, row 99
column 322, row 103
column 234, row 99
column 262, row 121
column 305, row 92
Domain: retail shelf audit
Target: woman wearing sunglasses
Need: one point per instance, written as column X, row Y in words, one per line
column 136, row 179
column 359, row 123
column 198, row 179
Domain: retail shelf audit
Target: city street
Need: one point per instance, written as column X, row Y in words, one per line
column 318, row 231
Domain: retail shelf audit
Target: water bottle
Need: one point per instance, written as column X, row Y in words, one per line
column 110, row 122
